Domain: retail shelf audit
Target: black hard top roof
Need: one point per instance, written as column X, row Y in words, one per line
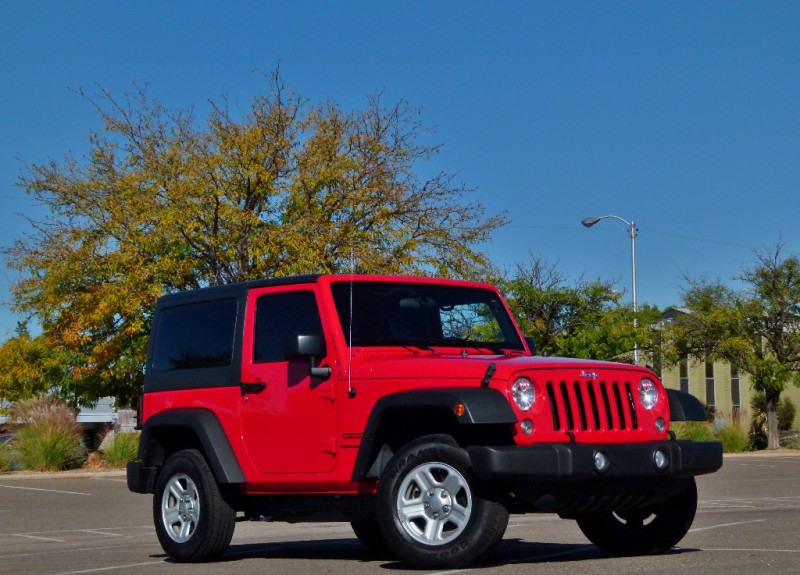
column 234, row 289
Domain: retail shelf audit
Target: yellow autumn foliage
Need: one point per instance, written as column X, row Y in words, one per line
column 163, row 201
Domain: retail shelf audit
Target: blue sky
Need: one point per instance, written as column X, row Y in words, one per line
column 683, row 116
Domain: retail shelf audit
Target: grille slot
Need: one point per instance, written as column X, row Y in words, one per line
column 631, row 405
column 592, row 405
column 553, row 407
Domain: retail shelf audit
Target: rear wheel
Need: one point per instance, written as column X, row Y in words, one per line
column 430, row 508
column 641, row 531
column 193, row 521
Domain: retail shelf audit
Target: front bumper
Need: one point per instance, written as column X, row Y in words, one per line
column 576, row 462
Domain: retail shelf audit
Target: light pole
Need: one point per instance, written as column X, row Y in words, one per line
column 632, row 233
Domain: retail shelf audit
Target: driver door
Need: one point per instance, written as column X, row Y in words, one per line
column 288, row 417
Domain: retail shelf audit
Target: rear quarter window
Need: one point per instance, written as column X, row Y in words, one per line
column 196, row 335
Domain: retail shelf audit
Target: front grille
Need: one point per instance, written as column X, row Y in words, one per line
column 592, row 405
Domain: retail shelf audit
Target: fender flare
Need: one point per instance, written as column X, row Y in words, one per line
column 684, row 406
column 204, row 425
column 482, row 406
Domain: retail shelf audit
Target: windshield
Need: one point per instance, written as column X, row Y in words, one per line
column 424, row 315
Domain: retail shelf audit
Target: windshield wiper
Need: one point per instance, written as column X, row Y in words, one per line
column 390, row 341
column 468, row 343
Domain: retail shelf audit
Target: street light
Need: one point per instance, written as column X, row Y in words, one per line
column 632, row 233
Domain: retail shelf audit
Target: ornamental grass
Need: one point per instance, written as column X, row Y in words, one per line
column 47, row 435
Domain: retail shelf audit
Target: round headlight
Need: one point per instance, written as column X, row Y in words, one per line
column 648, row 393
column 523, row 393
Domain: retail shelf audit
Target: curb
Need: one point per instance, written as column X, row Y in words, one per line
column 764, row 453
column 120, row 473
column 78, row 474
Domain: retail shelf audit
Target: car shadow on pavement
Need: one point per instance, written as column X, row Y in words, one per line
column 321, row 549
column 509, row 551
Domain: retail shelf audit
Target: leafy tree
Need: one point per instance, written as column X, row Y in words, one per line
column 34, row 366
column 162, row 202
column 584, row 319
column 756, row 329
column 786, row 413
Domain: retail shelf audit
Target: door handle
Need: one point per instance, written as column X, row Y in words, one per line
column 253, row 387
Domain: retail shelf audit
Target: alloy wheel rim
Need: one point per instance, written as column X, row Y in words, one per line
column 434, row 504
column 180, row 508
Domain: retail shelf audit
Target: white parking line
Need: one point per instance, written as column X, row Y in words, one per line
column 48, row 490
column 752, row 503
column 112, row 568
column 63, row 535
column 38, row 537
column 726, row 525
column 747, row 550
column 100, row 532
column 73, row 550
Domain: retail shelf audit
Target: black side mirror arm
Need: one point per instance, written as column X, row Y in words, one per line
column 319, row 371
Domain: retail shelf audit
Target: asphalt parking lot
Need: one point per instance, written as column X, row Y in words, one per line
column 748, row 520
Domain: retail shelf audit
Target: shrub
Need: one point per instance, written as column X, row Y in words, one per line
column 47, row 435
column 786, row 413
column 42, row 409
column 793, row 442
column 49, row 448
column 734, row 438
column 694, row 430
column 711, row 413
column 6, row 458
column 124, row 448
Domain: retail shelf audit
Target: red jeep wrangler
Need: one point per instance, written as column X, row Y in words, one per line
column 412, row 408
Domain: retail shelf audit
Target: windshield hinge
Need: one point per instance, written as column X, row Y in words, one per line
column 487, row 377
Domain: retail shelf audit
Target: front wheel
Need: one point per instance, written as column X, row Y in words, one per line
column 642, row 531
column 193, row 521
column 369, row 533
column 430, row 510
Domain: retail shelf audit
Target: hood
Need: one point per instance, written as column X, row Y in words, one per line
column 375, row 364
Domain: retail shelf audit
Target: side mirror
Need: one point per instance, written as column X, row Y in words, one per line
column 312, row 347
column 531, row 344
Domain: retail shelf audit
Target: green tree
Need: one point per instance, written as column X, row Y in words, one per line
column 581, row 319
column 163, row 202
column 757, row 329
column 34, row 366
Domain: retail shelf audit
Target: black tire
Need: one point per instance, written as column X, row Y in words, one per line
column 430, row 508
column 369, row 534
column 193, row 521
column 642, row 531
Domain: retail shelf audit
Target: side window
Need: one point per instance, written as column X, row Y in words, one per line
column 195, row 335
column 281, row 317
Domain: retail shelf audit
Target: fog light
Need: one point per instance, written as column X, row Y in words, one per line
column 601, row 461
column 660, row 460
column 661, row 425
column 526, row 426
